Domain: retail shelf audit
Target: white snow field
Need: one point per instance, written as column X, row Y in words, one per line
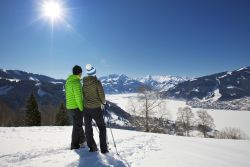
column 222, row 118
column 49, row 147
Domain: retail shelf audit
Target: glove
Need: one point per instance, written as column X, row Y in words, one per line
column 103, row 106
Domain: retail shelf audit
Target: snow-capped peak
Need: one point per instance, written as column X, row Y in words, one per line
column 162, row 82
column 228, row 73
column 243, row 68
column 162, row 78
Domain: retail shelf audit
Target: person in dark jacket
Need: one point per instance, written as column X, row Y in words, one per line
column 74, row 103
column 94, row 101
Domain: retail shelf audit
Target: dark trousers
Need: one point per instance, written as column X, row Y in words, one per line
column 78, row 135
column 97, row 115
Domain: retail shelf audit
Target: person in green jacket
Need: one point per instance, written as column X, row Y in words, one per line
column 94, row 101
column 74, row 103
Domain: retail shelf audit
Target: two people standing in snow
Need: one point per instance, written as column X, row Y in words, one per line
column 92, row 102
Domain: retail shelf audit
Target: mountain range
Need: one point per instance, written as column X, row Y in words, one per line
column 16, row 86
column 230, row 89
column 116, row 84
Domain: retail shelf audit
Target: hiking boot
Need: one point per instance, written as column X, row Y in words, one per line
column 105, row 151
column 75, row 147
column 93, row 149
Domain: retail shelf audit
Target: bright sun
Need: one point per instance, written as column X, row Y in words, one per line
column 52, row 10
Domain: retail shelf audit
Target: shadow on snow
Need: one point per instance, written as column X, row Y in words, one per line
column 96, row 159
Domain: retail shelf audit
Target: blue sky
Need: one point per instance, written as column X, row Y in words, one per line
column 132, row 37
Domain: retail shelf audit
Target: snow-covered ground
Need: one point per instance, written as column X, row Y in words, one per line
column 49, row 146
column 222, row 118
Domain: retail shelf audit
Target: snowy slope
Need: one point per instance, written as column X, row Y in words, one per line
column 222, row 118
column 49, row 146
column 224, row 86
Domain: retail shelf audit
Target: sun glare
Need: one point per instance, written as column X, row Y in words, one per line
column 52, row 10
column 56, row 13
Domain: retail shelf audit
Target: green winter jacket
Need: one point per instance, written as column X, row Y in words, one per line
column 73, row 89
column 93, row 94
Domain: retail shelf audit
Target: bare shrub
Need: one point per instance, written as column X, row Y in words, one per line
column 231, row 133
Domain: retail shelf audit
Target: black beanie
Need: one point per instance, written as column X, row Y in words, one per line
column 77, row 70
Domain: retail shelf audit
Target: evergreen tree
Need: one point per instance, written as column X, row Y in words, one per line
column 32, row 116
column 62, row 117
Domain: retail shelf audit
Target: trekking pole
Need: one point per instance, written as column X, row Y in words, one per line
column 111, row 130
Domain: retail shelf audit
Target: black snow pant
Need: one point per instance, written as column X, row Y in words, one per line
column 78, row 135
column 97, row 115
